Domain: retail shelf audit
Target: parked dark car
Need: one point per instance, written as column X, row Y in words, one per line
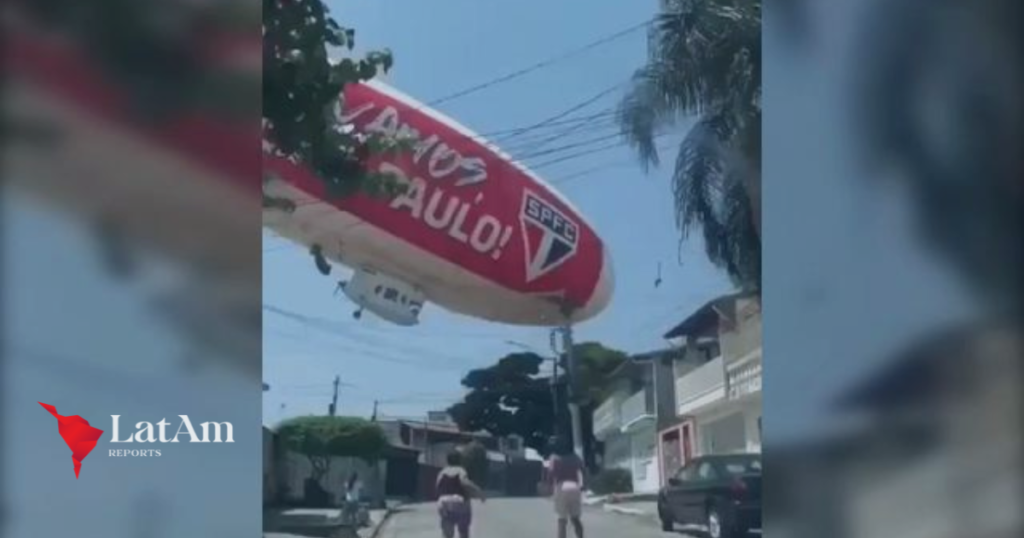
column 719, row 492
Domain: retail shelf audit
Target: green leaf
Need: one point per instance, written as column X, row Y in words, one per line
column 344, row 72
column 367, row 70
column 334, row 436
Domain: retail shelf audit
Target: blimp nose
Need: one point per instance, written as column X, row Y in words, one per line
column 602, row 294
column 608, row 273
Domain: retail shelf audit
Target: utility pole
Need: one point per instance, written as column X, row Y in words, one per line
column 574, row 406
column 554, row 382
column 333, row 409
column 374, row 417
column 573, row 380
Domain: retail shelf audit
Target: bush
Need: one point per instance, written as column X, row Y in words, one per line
column 611, row 481
column 315, row 436
column 322, row 438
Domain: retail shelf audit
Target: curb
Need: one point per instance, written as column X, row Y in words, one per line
column 624, row 510
column 378, row 527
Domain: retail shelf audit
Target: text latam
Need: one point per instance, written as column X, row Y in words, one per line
column 147, row 432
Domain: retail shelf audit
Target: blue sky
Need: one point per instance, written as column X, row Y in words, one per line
column 466, row 43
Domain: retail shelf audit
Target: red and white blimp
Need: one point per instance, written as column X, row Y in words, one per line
column 475, row 232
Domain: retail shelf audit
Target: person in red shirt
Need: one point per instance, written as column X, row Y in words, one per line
column 565, row 473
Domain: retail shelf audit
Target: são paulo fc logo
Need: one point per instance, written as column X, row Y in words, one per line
column 551, row 237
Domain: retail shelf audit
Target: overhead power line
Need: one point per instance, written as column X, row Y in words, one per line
column 349, row 351
column 608, row 113
column 615, row 164
column 540, row 65
column 614, row 145
column 608, row 124
column 393, row 331
column 574, row 145
column 532, row 142
column 579, row 106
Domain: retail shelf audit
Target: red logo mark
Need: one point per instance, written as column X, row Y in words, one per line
column 77, row 433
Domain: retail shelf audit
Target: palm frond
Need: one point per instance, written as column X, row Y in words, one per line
column 709, row 194
column 697, row 181
column 643, row 113
column 704, row 61
column 708, row 53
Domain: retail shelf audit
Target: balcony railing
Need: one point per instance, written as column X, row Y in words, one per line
column 637, row 407
column 607, row 417
column 701, row 387
column 744, row 379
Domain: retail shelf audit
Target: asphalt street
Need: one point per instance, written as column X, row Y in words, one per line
column 518, row 518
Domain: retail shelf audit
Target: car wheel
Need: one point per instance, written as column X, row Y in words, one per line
column 717, row 526
column 667, row 523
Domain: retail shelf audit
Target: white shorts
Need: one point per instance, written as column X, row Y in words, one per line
column 568, row 500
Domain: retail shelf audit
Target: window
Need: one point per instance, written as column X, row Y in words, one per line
column 706, row 471
column 742, row 466
column 711, row 351
column 688, row 473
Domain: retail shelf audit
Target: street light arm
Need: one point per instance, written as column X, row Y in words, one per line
column 530, row 349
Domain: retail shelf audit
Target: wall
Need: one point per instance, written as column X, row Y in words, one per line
column 393, row 431
column 665, row 389
column 617, row 452
column 752, row 415
column 523, row 478
column 722, row 434
column 744, row 337
column 644, row 460
column 293, row 469
column 436, row 454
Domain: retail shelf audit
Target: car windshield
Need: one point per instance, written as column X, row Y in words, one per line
column 742, row 465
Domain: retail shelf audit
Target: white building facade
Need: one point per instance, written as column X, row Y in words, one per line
column 625, row 423
column 720, row 398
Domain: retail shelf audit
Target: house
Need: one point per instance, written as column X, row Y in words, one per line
column 625, row 422
column 434, row 438
column 717, row 382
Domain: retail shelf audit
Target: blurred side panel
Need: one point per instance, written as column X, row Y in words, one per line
column 893, row 269
column 132, row 233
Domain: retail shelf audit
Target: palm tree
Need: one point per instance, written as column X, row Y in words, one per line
column 704, row 62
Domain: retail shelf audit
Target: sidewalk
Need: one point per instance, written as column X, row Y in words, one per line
column 631, row 504
column 639, row 508
column 377, row 520
column 306, row 522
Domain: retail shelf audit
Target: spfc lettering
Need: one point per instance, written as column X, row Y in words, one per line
column 551, row 238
